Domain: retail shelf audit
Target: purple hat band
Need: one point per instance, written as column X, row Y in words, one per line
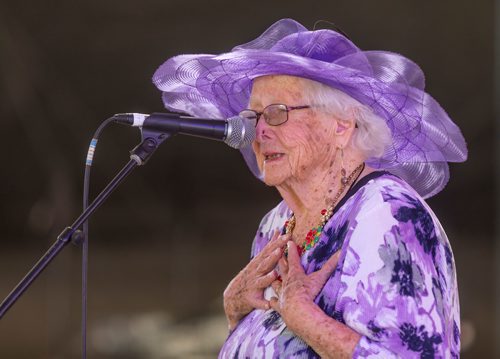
column 424, row 138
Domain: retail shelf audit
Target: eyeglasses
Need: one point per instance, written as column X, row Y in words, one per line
column 274, row 115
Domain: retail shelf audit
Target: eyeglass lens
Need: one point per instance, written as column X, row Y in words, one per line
column 274, row 115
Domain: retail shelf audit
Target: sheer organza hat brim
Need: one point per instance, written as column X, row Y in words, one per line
column 424, row 138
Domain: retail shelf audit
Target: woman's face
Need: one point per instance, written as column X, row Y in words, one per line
column 299, row 149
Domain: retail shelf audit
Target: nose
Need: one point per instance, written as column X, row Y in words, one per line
column 262, row 130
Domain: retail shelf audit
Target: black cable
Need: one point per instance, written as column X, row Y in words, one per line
column 85, row 227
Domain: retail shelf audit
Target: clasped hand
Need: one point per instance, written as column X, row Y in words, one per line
column 296, row 290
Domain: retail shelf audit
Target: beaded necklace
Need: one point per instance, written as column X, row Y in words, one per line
column 314, row 233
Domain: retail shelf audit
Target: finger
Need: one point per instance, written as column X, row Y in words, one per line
column 277, row 241
column 259, row 303
column 283, row 264
column 328, row 268
column 266, row 280
column 275, row 235
column 283, row 268
column 268, row 263
column 281, row 240
column 272, row 249
column 284, row 238
column 293, row 258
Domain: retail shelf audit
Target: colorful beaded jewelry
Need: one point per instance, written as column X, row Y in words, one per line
column 313, row 235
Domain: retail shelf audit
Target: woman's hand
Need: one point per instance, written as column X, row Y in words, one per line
column 297, row 290
column 246, row 291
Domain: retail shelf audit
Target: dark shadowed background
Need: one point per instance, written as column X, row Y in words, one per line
column 167, row 242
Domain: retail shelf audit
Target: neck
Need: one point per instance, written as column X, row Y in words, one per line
column 307, row 196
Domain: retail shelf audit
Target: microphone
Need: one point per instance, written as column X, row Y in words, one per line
column 236, row 131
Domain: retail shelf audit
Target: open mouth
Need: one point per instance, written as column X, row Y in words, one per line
column 272, row 156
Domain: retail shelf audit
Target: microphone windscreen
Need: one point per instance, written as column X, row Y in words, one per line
column 241, row 132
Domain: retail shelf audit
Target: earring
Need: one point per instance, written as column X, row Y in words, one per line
column 343, row 173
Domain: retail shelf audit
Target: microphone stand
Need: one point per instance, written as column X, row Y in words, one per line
column 138, row 156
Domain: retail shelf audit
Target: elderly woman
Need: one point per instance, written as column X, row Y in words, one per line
column 352, row 262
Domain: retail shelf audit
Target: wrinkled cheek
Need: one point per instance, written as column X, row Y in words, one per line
column 300, row 155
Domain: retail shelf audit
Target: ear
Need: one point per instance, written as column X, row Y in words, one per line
column 344, row 130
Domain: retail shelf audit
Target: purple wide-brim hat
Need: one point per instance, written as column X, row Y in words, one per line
column 424, row 138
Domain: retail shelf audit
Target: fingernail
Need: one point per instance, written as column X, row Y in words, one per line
column 277, row 251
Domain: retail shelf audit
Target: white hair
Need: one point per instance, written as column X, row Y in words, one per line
column 372, row 136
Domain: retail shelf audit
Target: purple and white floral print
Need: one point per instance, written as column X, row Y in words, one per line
column 395, row 283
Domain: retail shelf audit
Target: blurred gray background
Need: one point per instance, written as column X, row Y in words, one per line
column 167, row 242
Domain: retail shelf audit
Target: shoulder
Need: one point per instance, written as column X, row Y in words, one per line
column 387, row 204
column 272, row 221
column 384, row 197
column 404, row 206
column 383, row 187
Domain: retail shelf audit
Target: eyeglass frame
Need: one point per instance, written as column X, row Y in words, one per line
column 259, row 114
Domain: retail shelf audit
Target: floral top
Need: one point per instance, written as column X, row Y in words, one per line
column 395, row 283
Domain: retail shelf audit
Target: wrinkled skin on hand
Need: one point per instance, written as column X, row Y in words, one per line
column 246, row 291
column 297, row 290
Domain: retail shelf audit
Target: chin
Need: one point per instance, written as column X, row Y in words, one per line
column 271, row 182
column 273, row 174
column 271, row 178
